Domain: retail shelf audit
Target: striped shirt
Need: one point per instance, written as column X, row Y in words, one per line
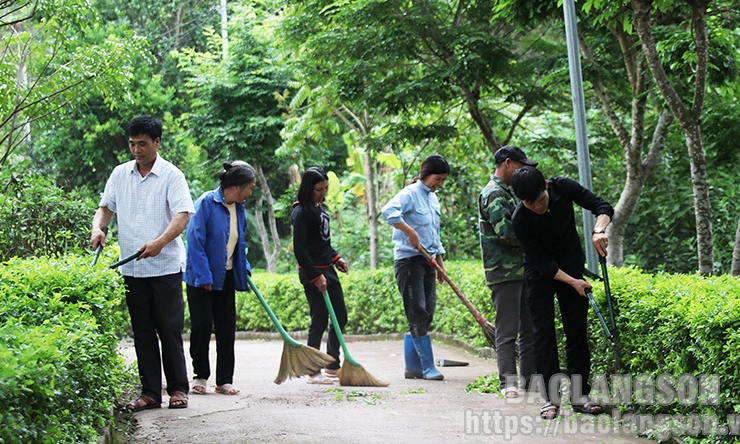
column 144, row 207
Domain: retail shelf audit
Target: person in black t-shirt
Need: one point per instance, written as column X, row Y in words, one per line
column 544, row 223
column 316, row 261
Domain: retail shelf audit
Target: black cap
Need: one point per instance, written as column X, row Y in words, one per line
column 513, row 153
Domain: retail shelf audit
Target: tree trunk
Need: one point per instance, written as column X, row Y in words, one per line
column 372, row 207
column 736, row 253
column 689, row 119
column 638, row 170
column 272, row 252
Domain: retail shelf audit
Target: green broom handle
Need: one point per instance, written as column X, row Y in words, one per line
column 286, row 337
column 338, row 331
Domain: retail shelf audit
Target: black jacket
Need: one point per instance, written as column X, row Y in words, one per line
column 550, row 241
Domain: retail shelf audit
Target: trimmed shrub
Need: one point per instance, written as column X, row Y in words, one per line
column 60, row 371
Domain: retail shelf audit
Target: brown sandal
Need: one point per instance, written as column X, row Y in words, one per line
column 143, row 402
column 178, row 400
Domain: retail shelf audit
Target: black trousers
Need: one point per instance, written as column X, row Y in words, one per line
column 417, row 282
column 320, row 315
column 573, row 309
column 213, row 311
column 157, row 312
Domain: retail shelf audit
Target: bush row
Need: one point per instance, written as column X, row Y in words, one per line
column 668, row 326
column 60, row 372
column 60, row 322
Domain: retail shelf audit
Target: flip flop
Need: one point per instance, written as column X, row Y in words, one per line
column 227, row 389
column 199, row 386
column 320, row 379
column 143, row 402
column 178, row 400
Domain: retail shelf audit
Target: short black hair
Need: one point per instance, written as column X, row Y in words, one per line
column 144, row 125
column 528, row 183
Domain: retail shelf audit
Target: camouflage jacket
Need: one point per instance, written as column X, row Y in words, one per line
column 503, row 258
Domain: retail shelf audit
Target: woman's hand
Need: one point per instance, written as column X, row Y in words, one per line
column 342, row 265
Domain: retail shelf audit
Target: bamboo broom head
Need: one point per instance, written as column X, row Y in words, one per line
column 357, row 376
column 300, row 361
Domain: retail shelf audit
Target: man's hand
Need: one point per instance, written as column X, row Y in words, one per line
column 601, row 242
column 580, row 285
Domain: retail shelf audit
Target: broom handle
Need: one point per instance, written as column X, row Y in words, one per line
column 476, row 314
column 338, row 330
column 286, row 337
column 608, row 291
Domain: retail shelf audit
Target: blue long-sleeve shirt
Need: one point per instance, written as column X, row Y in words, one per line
column 416, row 205
column 207, row 238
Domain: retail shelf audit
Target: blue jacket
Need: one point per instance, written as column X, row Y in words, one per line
column 207, row 236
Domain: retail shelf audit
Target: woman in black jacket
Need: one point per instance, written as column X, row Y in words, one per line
column 316, row 261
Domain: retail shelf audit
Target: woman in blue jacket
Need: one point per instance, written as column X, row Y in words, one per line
column 216, row 267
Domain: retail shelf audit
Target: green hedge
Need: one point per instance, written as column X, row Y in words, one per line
column 60, row 372
column 61, row 320
column 374, row 304
column 674, row 325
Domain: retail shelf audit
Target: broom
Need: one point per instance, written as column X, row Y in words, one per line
column 352, row 373
column 488, row 329
column 297, row 359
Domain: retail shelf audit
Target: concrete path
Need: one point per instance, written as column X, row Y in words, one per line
column 407, row 411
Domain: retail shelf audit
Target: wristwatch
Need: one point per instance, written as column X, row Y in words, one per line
column 598, row 230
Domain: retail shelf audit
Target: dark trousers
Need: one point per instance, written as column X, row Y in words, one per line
column 213, row 311
column 320, row 315
column 157, row 313
column 417, row 282
column 573, row 310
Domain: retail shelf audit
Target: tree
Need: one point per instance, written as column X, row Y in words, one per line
column 380, row 62
column 688, row 115
column 235, row 113
column 49, row 60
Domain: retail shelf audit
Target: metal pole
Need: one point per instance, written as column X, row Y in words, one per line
column 579, row 117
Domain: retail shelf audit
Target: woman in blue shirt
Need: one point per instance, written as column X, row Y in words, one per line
column 414, row 213
column 216, row 267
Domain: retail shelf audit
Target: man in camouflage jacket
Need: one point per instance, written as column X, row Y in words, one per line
column 503, row 262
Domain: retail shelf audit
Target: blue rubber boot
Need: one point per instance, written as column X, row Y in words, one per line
column 423, row 345
column 413, row 362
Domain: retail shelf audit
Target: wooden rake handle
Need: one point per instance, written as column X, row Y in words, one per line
column 474, row 311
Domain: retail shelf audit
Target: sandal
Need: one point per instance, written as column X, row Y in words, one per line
column 510, row 392
column 143, row 402
column 334, row 374
column 199, row 386
column 227, row 389
column 549, row 411
column 589, row 407
column 320, row 378
column 178, row 400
